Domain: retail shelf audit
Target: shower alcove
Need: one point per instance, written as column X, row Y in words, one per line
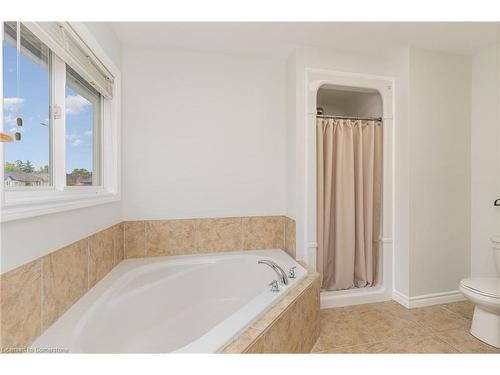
column 349, row 101
column 357, row 96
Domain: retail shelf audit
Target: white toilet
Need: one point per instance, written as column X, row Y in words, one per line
column 484, row 292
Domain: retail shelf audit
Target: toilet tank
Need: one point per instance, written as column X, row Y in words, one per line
column 495, row 242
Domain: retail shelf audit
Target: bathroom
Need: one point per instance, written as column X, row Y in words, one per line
column 250, row 187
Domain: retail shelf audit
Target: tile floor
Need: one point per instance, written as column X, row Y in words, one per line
column 388, row 327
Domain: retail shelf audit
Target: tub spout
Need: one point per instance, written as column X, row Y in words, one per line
column 279, row 271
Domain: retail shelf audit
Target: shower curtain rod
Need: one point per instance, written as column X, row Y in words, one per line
column 350, row 117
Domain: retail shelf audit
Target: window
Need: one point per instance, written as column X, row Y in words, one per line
column 59, row 102
column 83, row 119
column 26, row 98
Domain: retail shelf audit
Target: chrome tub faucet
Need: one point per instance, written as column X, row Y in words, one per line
column 282, row 277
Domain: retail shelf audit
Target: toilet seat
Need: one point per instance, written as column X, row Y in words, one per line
column 485, row 286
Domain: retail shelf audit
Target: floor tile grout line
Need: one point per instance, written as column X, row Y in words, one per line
column 455, row 313
column 393, row 340
column 449, row 344
column 458, row 349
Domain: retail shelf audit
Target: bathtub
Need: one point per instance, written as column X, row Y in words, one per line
column 189, row 304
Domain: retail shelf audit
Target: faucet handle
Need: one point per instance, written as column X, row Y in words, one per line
column 291, row 273
column 274, row 286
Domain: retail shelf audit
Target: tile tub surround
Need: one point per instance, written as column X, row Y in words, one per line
column 388, row 327
column 35, row 295
column 290, row 237
column 191, row 236
column 290, row 326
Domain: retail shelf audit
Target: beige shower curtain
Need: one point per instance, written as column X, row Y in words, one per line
column 349, row 201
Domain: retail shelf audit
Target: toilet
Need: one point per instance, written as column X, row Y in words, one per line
column 484, row 292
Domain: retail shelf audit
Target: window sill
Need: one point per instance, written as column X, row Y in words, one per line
column 17, row 208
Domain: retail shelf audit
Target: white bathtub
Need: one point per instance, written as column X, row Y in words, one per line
column 193, row 303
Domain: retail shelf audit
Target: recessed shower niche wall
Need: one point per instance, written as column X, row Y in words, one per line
column 352, row 100
column 349, row 101
column 349, row 140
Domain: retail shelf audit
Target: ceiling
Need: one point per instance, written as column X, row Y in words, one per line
column 277, row 39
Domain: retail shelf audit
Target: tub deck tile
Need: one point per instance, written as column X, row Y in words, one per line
column 300, row 304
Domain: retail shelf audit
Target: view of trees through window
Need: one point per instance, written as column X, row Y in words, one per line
column 26, row 96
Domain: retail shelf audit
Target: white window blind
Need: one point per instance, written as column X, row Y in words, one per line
column 65, row 42
column 30, row 45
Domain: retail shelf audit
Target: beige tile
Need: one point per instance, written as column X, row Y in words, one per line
column 65, row 280
column 464, row 342
column 423, row 344
column 243, row 341
column 119, row 252
column 263, row 232
column 223, row 234
column 298, row 323
column 364, row 324
column 257, row 347
column 438, row 318
column 20, row 306
column 308, row 333
column 273, row 313
column 101, row 255
column 134, row 244
column 463, row 308
column 389, row 308
column 388, row 327
column 290, row 237
column 332, row 315
column 343, row 332
column 171, row 237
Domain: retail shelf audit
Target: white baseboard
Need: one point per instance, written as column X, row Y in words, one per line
column 401, row 298
column 353, row 297
column 436, row 298
column 427, row 299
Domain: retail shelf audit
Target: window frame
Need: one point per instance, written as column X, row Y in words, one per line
column 97, row 148
column 23, row 202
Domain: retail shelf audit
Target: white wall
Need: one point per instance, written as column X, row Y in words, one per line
column 440, row 101
column 485, row 164
column 204, row 134
column 401, row 237
column 105, row 36
column 27, row 239
column 291, row 139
